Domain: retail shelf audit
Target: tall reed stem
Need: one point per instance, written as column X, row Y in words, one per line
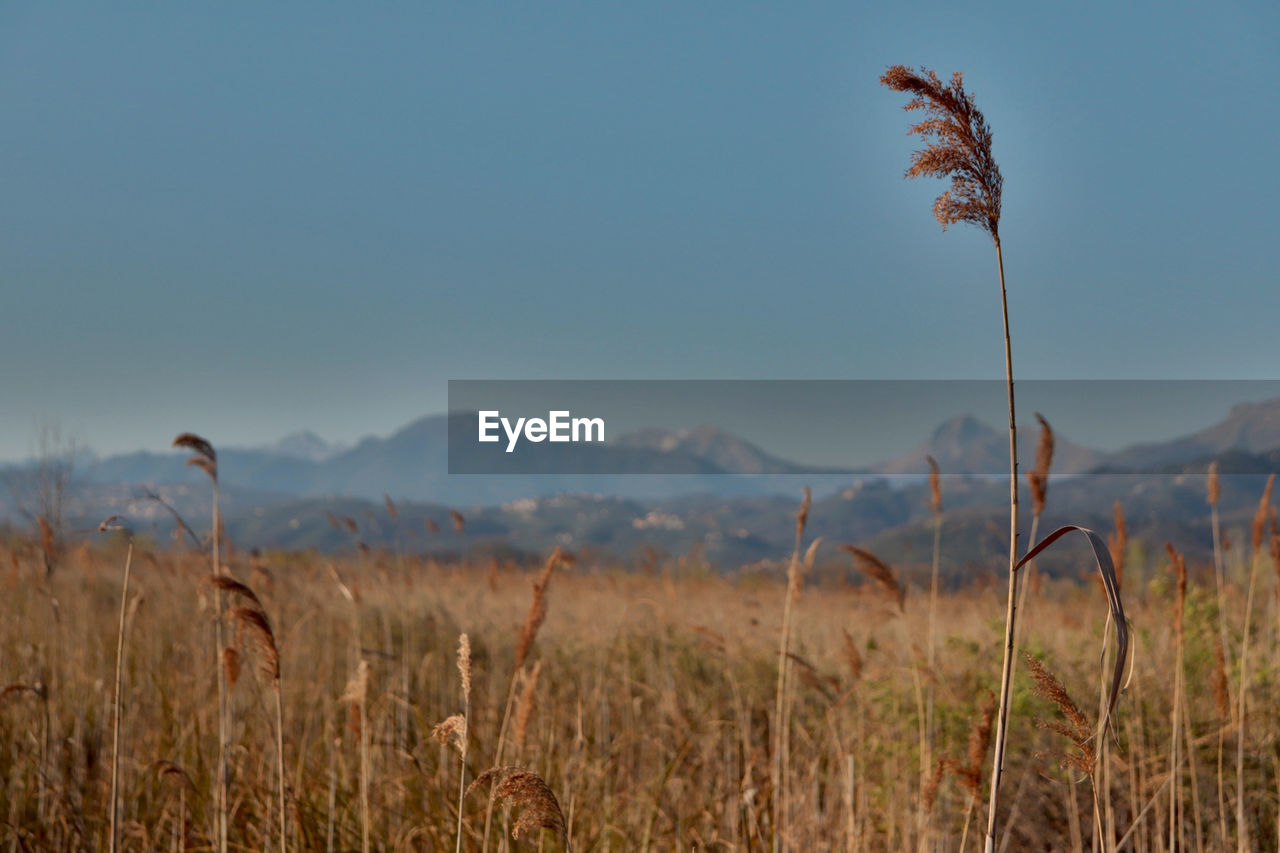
column 115, row 732
column 1006, row 676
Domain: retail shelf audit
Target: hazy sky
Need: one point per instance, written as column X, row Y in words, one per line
column 247, row 218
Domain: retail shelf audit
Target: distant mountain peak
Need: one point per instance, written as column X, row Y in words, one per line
column 303, row 444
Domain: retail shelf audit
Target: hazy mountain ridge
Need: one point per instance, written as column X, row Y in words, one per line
column 274, row 498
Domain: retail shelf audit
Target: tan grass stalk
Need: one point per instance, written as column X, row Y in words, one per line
column 1222, row 695
column 1118, row 543
column 206, row 459
column 254, row 622
column 1179, row 567
column 357, row 695
column 524, row 644
column 959, row 148
column 1257, row 529
column 777, row 766
column 935, row 509
column 464, row 674
column 116, row 702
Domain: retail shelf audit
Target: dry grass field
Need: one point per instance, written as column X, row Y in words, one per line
column 647, row 700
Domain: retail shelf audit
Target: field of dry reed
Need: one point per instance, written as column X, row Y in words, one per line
column 646, row 705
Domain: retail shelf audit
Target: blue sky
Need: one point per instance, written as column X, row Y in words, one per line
column 243, row 219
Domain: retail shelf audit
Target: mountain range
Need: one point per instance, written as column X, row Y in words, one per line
column 718, row 493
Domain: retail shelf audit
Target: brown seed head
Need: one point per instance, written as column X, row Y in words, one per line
column 527, row 704
column 1076, row 729
column 876, row 569
column 935, row 486
column 527, row 791
column 459, row 523
column 1038, row 477
column 205, row 458
column 464, row 665
column 431, row 526
column 802, row 515
column 1215, row 491
column 391, row 507
column 1179, row 567
column 228, row 584
column 251, row 621
column 454, row 728
column 958, row 146
column 537, row 607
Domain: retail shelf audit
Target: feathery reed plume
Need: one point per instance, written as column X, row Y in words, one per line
column 527, row 791
column 979, row 742
column 878, row 570
column 391, row 507
column 431, row 526
column 526, row 705
column 350, row 523
column 459, row 523
column 1214, row 490
column 1118, row 543
column 537, row 609
column 226, row 583
column 254, row 623
column 333, row 520
column 958, row 146
column 802, row 514
column 1076, row 729
column 1259, row 524
column 206, row 458
column 452, row 729
column 935, row 486
column 196, row 445
column 1038, row 477
column 464, row 665
column 464, row 675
